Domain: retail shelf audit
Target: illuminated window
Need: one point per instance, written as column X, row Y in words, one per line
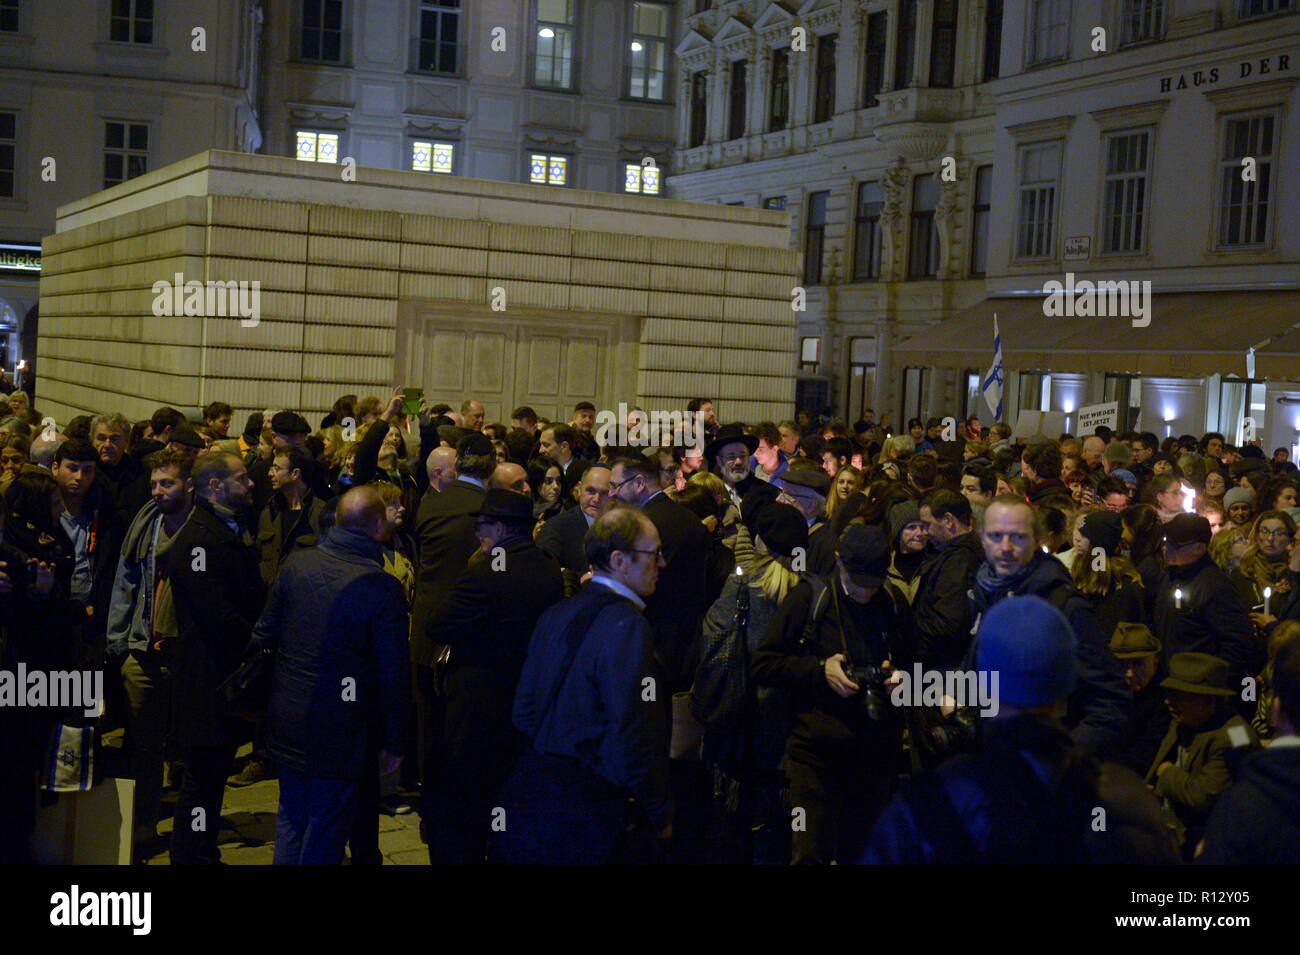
column 432, row 157
column 642, row 179
column 318, row 147
column 548, row 170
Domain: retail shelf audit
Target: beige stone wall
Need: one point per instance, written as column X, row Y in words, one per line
column 389, row 280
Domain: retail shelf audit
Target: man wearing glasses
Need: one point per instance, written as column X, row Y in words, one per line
column 596, row 736
column 1197, row 608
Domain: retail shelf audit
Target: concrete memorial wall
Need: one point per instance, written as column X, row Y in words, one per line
column 269, row 282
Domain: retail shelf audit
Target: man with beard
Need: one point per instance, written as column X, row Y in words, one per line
column 729, row 454
column 486, row 622
column 141, row 625
column 218, row 594
column 1015, row 563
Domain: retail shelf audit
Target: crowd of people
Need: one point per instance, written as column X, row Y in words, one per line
column 687, row 654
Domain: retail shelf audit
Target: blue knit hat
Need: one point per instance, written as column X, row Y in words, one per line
column 1030, row 645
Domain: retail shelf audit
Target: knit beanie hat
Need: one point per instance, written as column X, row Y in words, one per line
column 1029, row 644
column 900, row 515
column 1238, row 495
column 1103, row 529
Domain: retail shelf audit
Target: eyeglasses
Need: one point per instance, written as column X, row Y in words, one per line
column 1274, row 535
column 615, row 485
column 658, row 551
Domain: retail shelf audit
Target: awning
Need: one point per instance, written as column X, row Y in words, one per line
column 1190, row 335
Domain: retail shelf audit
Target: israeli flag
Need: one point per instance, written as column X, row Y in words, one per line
column 992, row 387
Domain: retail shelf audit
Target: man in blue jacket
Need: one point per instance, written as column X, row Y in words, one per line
column 592, row 700
column 339, row 693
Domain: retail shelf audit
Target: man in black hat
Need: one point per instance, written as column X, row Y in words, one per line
column 806, row 489
column 444, row 528
column 291, row 430
column 728, row 455
column 1197, row 609
column 485, row 623
column 1196, row 762
column 826, row 646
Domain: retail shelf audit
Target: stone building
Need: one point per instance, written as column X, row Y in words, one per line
column 510, row 293
column 1094, row 137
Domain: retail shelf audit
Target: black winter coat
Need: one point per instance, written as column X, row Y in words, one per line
column 1257, row 821
column 1098, row 709
column 217, row 599
column 1210, row 620
column 342, row 672
column 677, row 607
column 941, row 612
column 444, row 533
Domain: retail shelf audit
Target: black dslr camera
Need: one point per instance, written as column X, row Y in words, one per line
column 874, row 695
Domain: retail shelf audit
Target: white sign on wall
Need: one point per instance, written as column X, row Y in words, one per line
column 1091, row 417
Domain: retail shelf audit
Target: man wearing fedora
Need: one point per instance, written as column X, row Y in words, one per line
column 486, row 622
column 1197, row 760
column 1257, row 821
column 1138, row 652
column 806, row 489
column 729, row 455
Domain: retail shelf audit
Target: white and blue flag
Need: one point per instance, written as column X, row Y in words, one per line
column 992, row 387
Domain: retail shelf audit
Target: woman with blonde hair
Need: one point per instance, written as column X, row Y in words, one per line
column 1264, row 564
column 846, row 483
column 1103, row 576
column 746, row 750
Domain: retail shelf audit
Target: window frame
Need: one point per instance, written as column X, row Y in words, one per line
column 572, row 30
column 1104, row 203
column 418, row 41
column 992, row 53
column 126, row 151
column 1021, row 187
column 550, row 155
column 915, row 216
column 698, row 113
column 433, row 142
column 16, row 7
column 781, row 55
column 640, row 190
column 979, row 209
column 738, row 103
column 345, row 35
column 319, row 131
column 874, row 234
column 12, row 170
column 953, row 27
column 824, row 78
column 133, row 19
column 907, row 24
column 1228, row 169
column 875, row 57
column 1242, row 17
column 1160, row 19
column 815, row 230
column 663, row 41
column 1033, row 56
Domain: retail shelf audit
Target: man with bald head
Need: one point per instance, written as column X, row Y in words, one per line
column 338, row 624
column 472, row 412
column 441, row 468
column 509, row 477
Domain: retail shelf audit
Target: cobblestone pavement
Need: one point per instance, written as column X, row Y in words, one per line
column 248, row 829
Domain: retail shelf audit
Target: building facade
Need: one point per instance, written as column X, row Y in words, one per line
column 1092, row 140
column 94, row 92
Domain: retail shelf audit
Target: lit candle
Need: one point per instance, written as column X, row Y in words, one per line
column 1178, row 599
column 1268, row 592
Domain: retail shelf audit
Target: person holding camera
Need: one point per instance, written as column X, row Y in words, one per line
column 828, row 646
